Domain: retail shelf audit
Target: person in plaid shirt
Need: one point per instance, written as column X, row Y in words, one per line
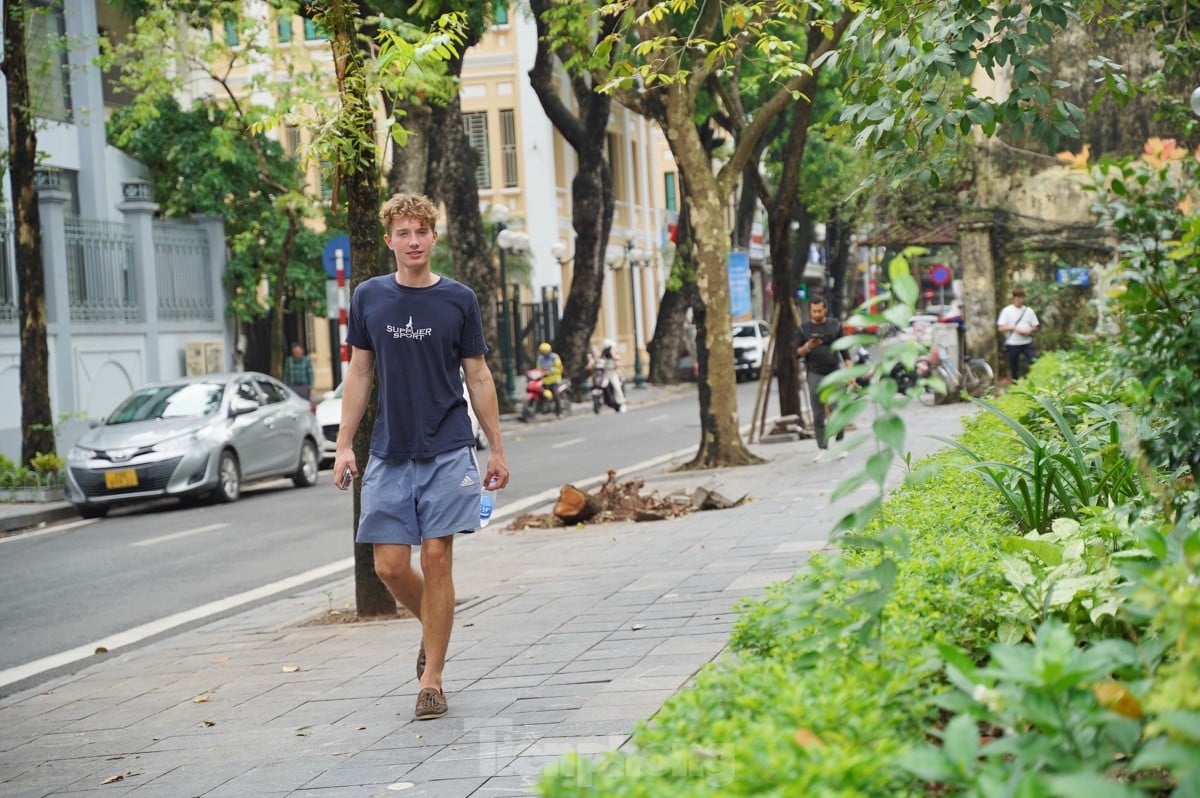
column 298, row 372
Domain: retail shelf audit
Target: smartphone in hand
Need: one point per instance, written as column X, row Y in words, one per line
column 347, row 478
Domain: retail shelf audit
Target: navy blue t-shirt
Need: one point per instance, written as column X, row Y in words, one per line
column 420, row 337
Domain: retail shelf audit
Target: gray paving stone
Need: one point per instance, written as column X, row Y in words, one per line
column 379, row 776
column 440, row 769
column 399, row 756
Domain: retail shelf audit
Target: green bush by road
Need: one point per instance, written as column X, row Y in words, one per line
column 946, row 649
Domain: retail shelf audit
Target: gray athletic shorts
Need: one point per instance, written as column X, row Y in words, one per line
column 408, row 501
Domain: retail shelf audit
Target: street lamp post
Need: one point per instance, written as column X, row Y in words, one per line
column 633, row 259
column 509, row 241
column 504, row 241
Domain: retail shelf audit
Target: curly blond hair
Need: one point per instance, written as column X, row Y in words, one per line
column 417, row 207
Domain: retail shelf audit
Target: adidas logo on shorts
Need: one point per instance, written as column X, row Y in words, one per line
column 467, row 481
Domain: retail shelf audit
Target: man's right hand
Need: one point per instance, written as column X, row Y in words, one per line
column 344, row 464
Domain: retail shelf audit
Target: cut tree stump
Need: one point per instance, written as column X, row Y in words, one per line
column 574, row 505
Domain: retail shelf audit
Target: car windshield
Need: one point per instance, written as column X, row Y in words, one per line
column 746, row 331
column 188, row 400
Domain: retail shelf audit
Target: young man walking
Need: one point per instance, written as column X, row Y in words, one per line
column 1018, row 322
column 421, row 484
column 814, row 343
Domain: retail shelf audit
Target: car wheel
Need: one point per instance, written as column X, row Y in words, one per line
column 306, row 474
column 92, row 510
column 229, row 479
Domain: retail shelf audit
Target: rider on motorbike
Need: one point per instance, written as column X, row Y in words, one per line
column 608, row 357
column 550, row 363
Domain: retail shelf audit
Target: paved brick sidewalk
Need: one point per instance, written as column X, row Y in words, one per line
column 564, row 640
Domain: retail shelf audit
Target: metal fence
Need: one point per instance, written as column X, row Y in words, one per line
column 101, row 282
column 8, row 276
column 184, row 271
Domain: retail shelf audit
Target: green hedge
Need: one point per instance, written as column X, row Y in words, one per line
column 947, row 651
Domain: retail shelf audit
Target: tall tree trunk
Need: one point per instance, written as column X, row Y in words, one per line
column 783, row 276
column 451, row 180
column 279, row 309
column 837, row 244
column 592, row 207
column 592, row 201
column 670, row 329
column 409, row 169
column 356, row 124
column 781, row 212
column 720, row 439
column 37, row 422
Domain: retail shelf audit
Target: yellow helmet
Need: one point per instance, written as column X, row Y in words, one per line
column 544, row 348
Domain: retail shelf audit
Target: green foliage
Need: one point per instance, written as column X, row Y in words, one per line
column 1152, row 204
column 1029, row 722
column 202, row 161
column 911, row 95
column 1061, row 471
column 47, row 463
column 44, row 470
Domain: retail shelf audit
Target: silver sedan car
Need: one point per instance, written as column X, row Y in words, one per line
column 198, row 436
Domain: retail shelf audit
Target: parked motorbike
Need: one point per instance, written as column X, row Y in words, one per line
column 935, row 364
column 605, row 380
column 539, row 398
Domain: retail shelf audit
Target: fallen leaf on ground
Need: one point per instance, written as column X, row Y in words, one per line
column 201, row 699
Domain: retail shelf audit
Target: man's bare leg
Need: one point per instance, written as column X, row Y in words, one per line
column 437, row 605
column 393, row 566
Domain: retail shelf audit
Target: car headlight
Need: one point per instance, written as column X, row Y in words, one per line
column 78, row 454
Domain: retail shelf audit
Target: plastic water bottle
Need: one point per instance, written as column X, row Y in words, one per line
column 487, row 500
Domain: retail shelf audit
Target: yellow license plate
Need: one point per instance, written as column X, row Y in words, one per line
column 120, row 479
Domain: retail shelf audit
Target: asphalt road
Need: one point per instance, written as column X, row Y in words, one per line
column 81, row 583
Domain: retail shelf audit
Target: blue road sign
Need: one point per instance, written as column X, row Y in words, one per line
column 342, row 242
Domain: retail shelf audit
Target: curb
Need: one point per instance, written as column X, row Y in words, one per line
column 24, row 519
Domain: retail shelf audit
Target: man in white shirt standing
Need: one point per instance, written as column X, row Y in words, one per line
column 1019, row 323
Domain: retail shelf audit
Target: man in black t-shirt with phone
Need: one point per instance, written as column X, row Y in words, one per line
column 814, row 344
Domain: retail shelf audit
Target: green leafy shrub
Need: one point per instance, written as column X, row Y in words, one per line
column 1061, row 471
column 1149, row 202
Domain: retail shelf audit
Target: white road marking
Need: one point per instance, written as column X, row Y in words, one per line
column 563, row 444
column 663, row 417
column 49, row 529
column 176, row 535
